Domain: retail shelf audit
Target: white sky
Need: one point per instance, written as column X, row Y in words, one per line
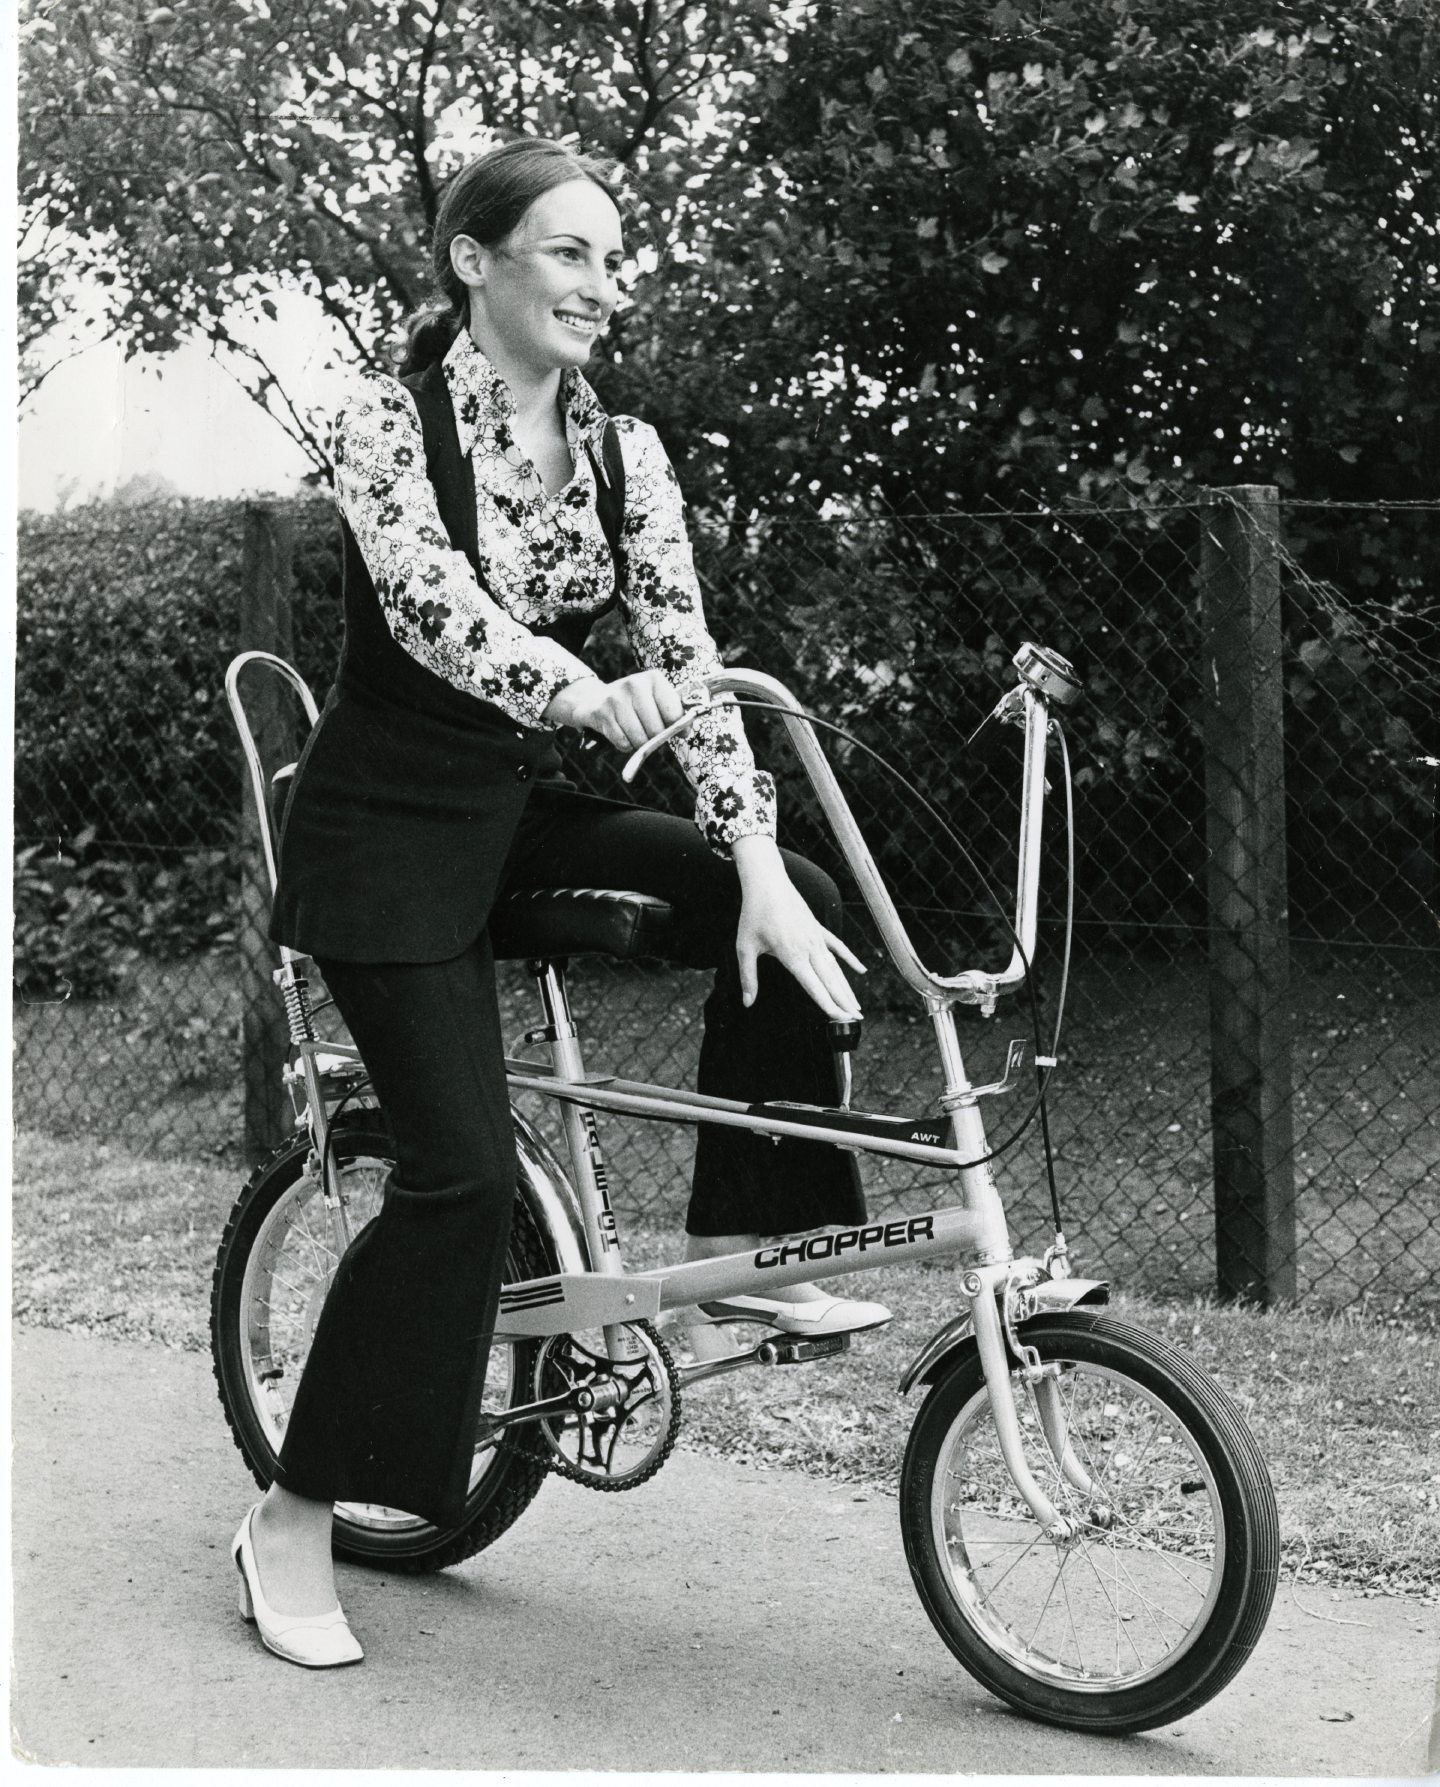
column 99, row 419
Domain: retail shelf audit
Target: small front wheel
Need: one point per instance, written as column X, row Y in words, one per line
column 1160, row 1593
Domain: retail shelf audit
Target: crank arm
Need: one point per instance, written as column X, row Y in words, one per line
column 494, row 1425
column 703, row 1368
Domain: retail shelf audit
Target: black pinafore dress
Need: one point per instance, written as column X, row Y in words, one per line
column 409, row 790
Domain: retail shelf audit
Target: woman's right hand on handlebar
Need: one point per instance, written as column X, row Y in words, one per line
column 625, row 713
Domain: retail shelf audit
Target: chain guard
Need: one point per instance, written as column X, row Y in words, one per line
column 582, row 1445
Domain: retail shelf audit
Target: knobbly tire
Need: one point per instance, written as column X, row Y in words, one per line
column 1161, row 1596
column 274, row 1265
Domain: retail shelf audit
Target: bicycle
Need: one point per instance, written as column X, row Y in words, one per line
column 1087, row 1520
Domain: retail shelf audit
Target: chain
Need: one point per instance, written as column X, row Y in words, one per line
column 548, row 1451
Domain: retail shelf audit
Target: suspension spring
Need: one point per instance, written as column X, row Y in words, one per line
column 295, row 990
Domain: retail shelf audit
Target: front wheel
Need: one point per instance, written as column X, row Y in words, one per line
column 275, row 1264
column 1163, row 1590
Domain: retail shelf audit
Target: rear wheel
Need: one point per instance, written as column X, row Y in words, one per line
column 275, row 1263
column 1162, row 1593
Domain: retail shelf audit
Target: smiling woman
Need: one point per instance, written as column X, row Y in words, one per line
column 491, row 513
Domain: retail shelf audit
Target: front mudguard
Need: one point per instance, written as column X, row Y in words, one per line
column 1047, row 1297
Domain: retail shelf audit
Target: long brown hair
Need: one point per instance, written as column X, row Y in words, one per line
column 486, row 200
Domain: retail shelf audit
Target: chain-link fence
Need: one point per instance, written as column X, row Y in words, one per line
column 1281, row 998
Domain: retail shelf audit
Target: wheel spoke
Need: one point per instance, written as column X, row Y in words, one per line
column 284, row 1271
column 1114, row 1607
column 1059, row 1582
column 1155, row 1609
column 1039, row 1539
column 1125, row 1599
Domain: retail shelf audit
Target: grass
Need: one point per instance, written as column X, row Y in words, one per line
column 112, row 1243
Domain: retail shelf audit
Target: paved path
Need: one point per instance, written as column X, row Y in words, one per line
column 719, row 1617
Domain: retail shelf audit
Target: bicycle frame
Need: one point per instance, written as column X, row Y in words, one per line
column 1000, row 1291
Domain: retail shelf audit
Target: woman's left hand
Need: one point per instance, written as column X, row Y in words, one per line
column 775, row 921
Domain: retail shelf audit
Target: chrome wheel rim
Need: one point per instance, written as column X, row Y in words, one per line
column 1132, row 1592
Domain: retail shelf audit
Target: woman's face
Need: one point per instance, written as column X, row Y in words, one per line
column 539, row 299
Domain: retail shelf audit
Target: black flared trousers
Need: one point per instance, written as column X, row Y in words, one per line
column 387, row 1408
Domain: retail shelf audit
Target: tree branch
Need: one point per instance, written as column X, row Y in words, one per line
column 296, row 427
column 31, row 380
column 419, row 123
column 403, row 290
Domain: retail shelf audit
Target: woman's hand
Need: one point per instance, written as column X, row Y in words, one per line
column 625, row 712
column 775, row 921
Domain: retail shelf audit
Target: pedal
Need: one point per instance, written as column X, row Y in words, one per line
column 794, row 1350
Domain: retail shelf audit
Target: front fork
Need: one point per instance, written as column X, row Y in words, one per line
column 996, row 1291
column 997, row 1305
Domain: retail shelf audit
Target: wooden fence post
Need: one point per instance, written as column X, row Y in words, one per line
column 265, row 625
column 1250, row 1094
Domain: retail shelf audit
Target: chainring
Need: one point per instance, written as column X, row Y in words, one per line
column 624, row 1442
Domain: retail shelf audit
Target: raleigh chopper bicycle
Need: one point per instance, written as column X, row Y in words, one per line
column 1087, row 1519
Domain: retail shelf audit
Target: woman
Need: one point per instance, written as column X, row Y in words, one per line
column 481, row 540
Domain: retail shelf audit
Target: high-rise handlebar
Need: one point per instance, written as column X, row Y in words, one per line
column 1044, row 677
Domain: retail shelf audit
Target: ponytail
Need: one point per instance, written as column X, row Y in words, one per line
column 429, row 335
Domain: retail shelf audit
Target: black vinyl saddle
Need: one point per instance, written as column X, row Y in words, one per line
column 580, row 921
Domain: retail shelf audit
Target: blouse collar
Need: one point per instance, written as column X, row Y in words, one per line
column 483, row 401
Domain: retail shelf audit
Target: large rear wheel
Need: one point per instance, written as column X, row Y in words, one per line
column 1160, row 1595
column 275, row 1263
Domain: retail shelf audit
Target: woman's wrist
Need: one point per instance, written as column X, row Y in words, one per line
column 566, row 703
column 757, row 859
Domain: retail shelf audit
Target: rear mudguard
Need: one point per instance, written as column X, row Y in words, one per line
column 545, row 1186
column 552, row 1199
column 1045, row 1298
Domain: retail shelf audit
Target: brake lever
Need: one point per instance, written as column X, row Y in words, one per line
column 697, row 701
column 652, row 745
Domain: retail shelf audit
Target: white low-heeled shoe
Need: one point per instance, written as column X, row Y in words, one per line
column 314, row 1640
column 813, row 1316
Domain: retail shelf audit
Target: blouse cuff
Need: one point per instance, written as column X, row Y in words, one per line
column 737, row 806
column 526, row 689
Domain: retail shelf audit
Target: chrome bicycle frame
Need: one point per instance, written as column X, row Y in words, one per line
column 594, row 1290
column 999, row 1289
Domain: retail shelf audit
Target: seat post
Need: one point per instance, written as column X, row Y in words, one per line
column 582, row 1134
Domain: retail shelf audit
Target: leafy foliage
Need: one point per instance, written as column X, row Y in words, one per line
column 928, row 252
column 909, row 257
column 981, row 249
column 196, row 159
column 127, row 773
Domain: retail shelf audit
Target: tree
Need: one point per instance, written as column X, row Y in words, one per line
column 193, row 159
column 925, row 252
column 990, row 250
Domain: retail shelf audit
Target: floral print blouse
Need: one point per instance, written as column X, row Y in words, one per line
column 543, row 556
